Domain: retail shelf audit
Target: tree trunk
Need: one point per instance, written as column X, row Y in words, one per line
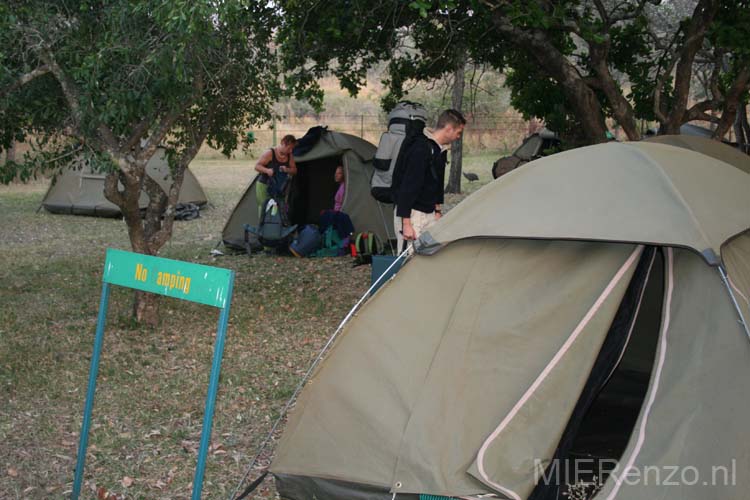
column 739, row 134
column 732, row 103
column 746, row 127
column 130, row 175
column 459, row 81
column 146, row 308
column 742, row 128
column 621, row 108
column 150, row 231
column 696, row 30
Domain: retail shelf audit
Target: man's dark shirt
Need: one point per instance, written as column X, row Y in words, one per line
column 421, row 186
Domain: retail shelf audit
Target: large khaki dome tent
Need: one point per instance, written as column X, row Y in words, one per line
column 313, row 188
column 78, row 190
column 589, row 306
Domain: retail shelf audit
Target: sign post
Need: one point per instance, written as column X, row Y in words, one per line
column 207, row 285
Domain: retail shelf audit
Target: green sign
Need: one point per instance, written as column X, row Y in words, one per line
column 173, row 278
column 182, row 280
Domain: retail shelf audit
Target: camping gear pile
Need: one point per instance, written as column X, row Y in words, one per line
column 542, row 143
column 593, row 304
column 79, row 189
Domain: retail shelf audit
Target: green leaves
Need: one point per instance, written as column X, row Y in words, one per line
column 421, row 6
column 133, row 64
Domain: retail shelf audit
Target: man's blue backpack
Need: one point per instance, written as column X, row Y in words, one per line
column 307, row 241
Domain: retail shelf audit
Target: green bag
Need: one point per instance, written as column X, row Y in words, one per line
column 331, row 244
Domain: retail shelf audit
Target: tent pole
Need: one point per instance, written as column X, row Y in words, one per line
column 725, row 279
column 385, row 226
column 403, row 256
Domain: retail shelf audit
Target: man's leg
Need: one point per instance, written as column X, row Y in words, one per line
column 398, row 227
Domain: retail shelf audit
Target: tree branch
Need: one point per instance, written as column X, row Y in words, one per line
column 703, row 15
column 166, row 122
column 135, row 137
column 732, row 102
column 111, row 191
column 157, row 136
column 556, row 65
column 73, row 98
column 24, row 79
column 603, row 14
column 159, row 238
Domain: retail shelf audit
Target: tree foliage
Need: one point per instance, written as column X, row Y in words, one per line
column 117, row 79
column 573, row 63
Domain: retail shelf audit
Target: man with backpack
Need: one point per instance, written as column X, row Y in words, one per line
column 419, row 194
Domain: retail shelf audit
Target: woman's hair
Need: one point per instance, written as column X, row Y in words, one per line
column 288, row 139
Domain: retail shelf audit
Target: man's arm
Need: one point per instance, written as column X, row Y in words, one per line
column 262, row 165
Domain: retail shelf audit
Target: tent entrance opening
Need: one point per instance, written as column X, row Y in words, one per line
column 605, row 416
column 313, row 189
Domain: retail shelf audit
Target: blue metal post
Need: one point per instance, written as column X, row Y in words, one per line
column 93, row 370
column 213, row 387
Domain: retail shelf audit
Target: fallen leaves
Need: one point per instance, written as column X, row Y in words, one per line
column 103, row 494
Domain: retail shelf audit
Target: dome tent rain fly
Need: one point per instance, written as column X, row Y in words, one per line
column 607, row 280
column 79, row 190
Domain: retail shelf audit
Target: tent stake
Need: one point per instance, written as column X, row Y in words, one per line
column 385, row 226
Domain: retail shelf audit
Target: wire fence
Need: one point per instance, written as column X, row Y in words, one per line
column 484, row 132
column 499, row 132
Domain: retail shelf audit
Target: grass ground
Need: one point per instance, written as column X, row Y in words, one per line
column 152, row 382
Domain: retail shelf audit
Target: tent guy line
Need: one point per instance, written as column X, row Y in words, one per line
column 405, row 255
column 725, row 279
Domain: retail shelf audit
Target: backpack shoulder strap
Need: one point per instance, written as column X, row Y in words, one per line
column 263, row 213
column 431, row 157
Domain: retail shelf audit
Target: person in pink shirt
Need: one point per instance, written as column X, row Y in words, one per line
column 338, row 199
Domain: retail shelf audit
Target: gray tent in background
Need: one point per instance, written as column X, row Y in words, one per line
column 78, row 190
column 707, row 146
column 313, row 188
column 696, row 130
column 589, row 305
column 534, row 146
